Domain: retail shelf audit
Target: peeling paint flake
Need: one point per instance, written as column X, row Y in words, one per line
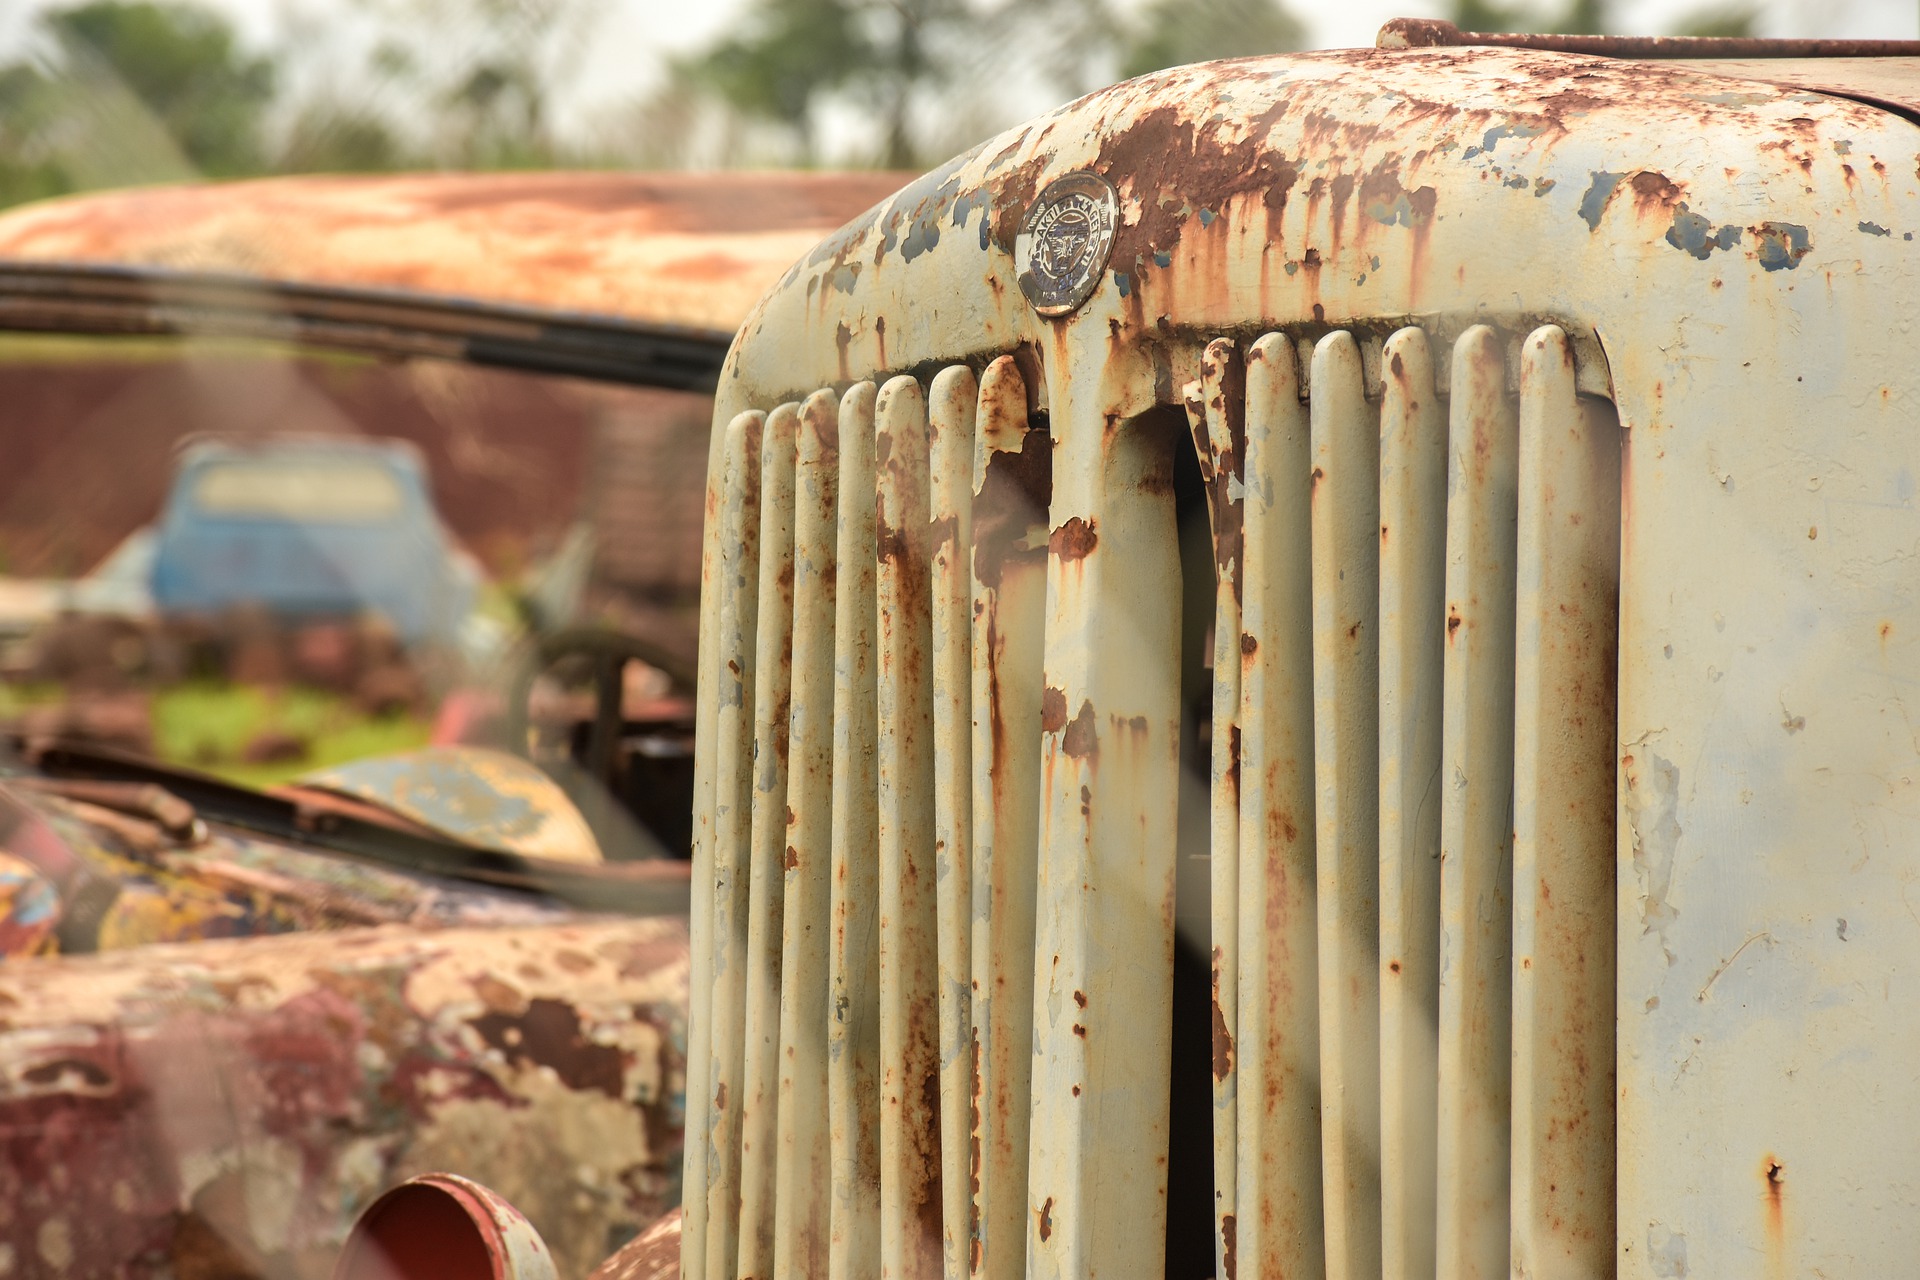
column 1696, row 235
column 1594, row 202
column 1781, row 245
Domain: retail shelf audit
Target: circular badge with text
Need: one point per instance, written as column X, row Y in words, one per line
column 1064, row 242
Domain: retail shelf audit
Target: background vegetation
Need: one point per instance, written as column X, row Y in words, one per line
column 113, row 92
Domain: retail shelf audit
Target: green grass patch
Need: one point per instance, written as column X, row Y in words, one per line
column 209, row 726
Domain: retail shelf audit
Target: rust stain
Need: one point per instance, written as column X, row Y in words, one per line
column 1053, row 710
column 1073, row 540
column 1081, row 740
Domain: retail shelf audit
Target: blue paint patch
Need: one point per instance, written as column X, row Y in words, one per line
column 1875, row 229
column 1292, row 267
column 1541, row 186
column 1594, row 203
column 1495, row 136
column 1843, row 148
column 964, row 207
column 1781, row 244
column 1207, row 216
column 1696, row 235
column 846, row 276
column 1517, row 182
column 1161, row 258
column 1373, row 261
column 1123, row 282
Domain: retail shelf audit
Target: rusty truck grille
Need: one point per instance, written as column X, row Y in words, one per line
column 934, row 887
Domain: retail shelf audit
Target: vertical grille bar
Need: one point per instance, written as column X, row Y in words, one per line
column 1563, row 852
column 805, row 1172
column 950, row 507
column 739, row 586
column 1109, row 756
column 1413, row 521
column 723, row 721
column 1219, row 422
column 1278, row 1205
column 1012, row 483
column 1476, row 781
column 1346, row 541
column 910, row 1206
column 853, row 1038
column 766, row 887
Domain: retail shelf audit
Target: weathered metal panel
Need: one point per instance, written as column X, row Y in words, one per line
column 766, row 871
column 1216, row 408
column 1568, row 578
column 1012, row 485
column 738, row 586
column 953, row 400
column 227, row 1107
column 853, row 955
column 1476, row 772
column 1413, row 540
column 1278, row 1204
column 908, row 991
column 1096, row 1188
column 804, row 1175
column 1346, row 605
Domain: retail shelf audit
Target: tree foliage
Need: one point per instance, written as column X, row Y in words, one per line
column 183, row 63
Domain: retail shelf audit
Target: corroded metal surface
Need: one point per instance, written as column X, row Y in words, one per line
column 488, row 799
column 1727, row 263
column 440, row 1226
column 684, row 249
column 654, row 1254
column 1432, row 33
column 227, row 1108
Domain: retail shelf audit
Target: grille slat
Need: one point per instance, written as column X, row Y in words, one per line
column 1413, row 514
column 1011, row 481
column 1564, row 792
column 1219, row 420
column 1279, row 1214
column 853, row 955
column 1346, row 602
column 805, row 1175
column 1476, row 789
column 1110, row 773
column 953, row 398
column 910, row 1206
column 739, row 583
column 766, row 883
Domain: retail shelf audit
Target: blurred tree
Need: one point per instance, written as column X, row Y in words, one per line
column 1734, row 22
column 331, row 137
column 1174, row 32
column 185, row 65
column 481, row 73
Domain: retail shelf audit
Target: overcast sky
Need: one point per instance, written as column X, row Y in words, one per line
column 639, row 35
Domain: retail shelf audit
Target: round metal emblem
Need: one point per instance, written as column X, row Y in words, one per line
column 1064, row 242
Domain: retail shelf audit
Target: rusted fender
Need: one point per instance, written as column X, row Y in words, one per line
column 226, row 1108
column 443, row 1227
column 481, row 797
column 654, row 1254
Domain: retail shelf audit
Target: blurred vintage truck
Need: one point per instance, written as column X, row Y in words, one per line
column 237, row 1006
